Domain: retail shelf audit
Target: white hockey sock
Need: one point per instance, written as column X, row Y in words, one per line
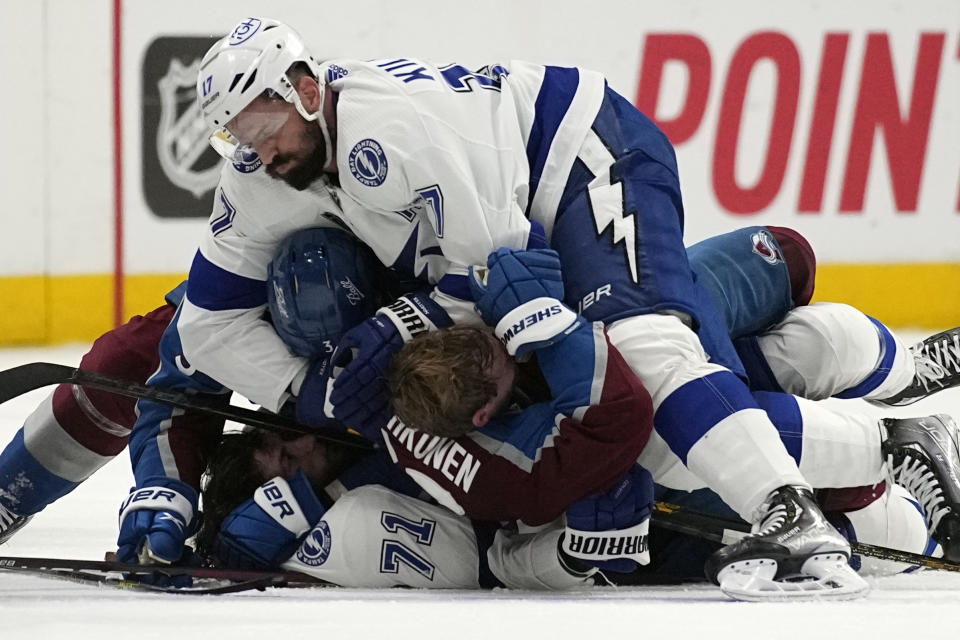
column 839, row 449
column 826, row 348
column 741, row 456
column 742, row 459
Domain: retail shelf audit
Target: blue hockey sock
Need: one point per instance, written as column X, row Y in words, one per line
column 26, row 486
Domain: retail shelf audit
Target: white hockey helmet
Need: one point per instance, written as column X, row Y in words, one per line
column 253, row 59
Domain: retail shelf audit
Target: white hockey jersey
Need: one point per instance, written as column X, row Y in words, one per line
column 221, row 323
column 373, row 537
column 438, row 167
column 468, row 155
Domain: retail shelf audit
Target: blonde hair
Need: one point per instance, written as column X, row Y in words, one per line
column 440, row 379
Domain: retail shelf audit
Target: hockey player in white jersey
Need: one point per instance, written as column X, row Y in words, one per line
column 440, row 166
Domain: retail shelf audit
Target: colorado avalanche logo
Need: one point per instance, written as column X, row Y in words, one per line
column 246, row 160
column 368, row 163
column 316, row 547
column 765, row 247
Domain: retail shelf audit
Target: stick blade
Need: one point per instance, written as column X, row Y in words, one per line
column 28, row 377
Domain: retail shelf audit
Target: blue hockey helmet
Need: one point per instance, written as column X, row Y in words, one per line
column 322, row 282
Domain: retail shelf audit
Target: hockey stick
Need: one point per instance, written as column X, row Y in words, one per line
column 28, row 377
column 724, row 531
column 209, row 586
column 207, row 580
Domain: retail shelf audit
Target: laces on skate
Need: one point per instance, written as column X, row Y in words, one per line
column 922, row 455
column 937, row 362
column 914, row 476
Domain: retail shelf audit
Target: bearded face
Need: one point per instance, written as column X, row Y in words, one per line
column 304, row 164
column 291, row 147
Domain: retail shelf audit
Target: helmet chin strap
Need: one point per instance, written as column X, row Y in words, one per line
column 320, row 120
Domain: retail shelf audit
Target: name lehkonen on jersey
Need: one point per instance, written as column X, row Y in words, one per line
column 443, row 454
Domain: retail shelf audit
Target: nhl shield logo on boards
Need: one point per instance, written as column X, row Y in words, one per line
column 182, row 134
column 179, row 167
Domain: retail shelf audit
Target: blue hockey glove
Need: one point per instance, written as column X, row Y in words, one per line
column 609, row 530
column 519, row 294
column 359, row 397
column 155, row 522
column 513, row 277
column 312, row 396
column 264, row 531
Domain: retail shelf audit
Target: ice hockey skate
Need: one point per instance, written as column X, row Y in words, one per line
column 938, row 367
column 10, row 523
column 922, row 457
column 793, row 554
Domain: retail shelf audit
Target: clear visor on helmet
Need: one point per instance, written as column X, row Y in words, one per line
column 250, row 129
column 227, row 146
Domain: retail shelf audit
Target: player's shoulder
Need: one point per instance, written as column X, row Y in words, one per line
column 390, row 95
column 518, row 431
column 397, row 74
column 356, row 505
column 368, row 498
column 372, row 160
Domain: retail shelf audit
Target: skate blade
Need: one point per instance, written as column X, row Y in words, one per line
column 823, row 577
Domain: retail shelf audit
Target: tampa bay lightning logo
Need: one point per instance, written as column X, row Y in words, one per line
column 316, row 547
column 368, row 163
column 244, row 31
column 246, row 160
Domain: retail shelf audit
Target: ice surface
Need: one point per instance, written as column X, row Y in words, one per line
column 83, row 525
